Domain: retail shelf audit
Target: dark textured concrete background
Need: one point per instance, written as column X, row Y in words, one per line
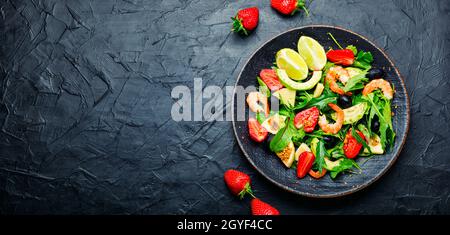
column 85, row 105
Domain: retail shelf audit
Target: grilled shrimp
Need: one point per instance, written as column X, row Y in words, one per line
column 379, row 84
column 337, row 72
column 335, row 127
column 257, row 102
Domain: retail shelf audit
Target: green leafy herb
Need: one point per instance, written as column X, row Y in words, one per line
column 334, row 39
column 344, row 165
column 263, row 87
column 353, row 49
column 382, row 108
column 260, row 117
column 321, row 153
column 363, row 60
column 286, row 135
column 360, row 140
column 356, row 82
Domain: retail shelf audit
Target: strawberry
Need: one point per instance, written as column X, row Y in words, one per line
column 261, row 208
column 288, row 7
column 343, row 57
column 238, row 183
column 245, row 20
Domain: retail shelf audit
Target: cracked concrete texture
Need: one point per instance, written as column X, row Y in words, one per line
column 85, row 106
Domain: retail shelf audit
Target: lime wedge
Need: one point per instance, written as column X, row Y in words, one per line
column 312, row 52
column 293, row 63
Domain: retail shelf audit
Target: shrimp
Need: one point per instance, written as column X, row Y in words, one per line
column 335, row 127
column 257, row 102
column 337, row 72
column 382, row 84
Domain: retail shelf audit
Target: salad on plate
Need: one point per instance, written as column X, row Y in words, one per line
column 334, row 108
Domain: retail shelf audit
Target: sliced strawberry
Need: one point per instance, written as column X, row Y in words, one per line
column 343, row 57
column 256, row 131
column 351, row 146
column 270, row 78
column 307, row 119
column 304, row 164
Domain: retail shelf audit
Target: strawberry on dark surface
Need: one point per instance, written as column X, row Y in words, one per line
column 245, row 20
column 238, row 182
column 259, row 207
column 288, row 7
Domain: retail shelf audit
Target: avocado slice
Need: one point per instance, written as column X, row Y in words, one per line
column 352, row 71
column 274, row 123
column 286, row 95
column 375, row 145
column 318, row 91
column 302, row 148
column 330, row 165
column 289, row 83
column 352, row 114
column 314, row 143
column 287, row 155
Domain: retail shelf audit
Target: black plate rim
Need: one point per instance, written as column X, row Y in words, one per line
column 343, row 193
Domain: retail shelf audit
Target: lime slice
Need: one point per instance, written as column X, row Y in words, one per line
column 293, row 63
column 312, row 52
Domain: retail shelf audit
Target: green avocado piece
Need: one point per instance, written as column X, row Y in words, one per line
column 286, row 95
column 329, row 165
column 352, row 114
column 353, row 71
column 300, row 86
column 375, row 145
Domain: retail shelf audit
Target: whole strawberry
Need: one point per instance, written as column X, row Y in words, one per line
column 238, row 183
column 245, row 20
column 288, row 7
column 261, row 208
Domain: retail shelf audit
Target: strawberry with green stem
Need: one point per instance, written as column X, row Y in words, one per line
column 238, row 183
column 245, row 20
column 289, row 7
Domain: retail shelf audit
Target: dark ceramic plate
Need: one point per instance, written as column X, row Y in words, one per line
column 269, row 165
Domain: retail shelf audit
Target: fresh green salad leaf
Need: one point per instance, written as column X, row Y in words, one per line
column 360, row 140
column 382, row 108
column 353, row 49
column 363, row 60
column 280, row 140
column 345, row 165
column 263, row 87
column 286, row 134
column 321, row 153
column 260, row 117
column 356, row 82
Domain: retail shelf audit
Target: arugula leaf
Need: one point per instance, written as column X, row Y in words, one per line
column 263, row 87
column 360, row 140
column 321, row 153
column 260, row 117
column 352, row 48
column 363, row 60
column 286, row 135
column 280, row 140
column 382, row 108
column 334, row 39
column 344, row 165
column 356, row 82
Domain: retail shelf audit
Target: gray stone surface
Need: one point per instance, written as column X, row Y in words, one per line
column 85, row 105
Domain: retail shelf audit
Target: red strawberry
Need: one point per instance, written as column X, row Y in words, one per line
column 343, row 57
column 238, row 183
column 270, row 78
column 288, row 7
column 261, row 208
column 245, row 20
